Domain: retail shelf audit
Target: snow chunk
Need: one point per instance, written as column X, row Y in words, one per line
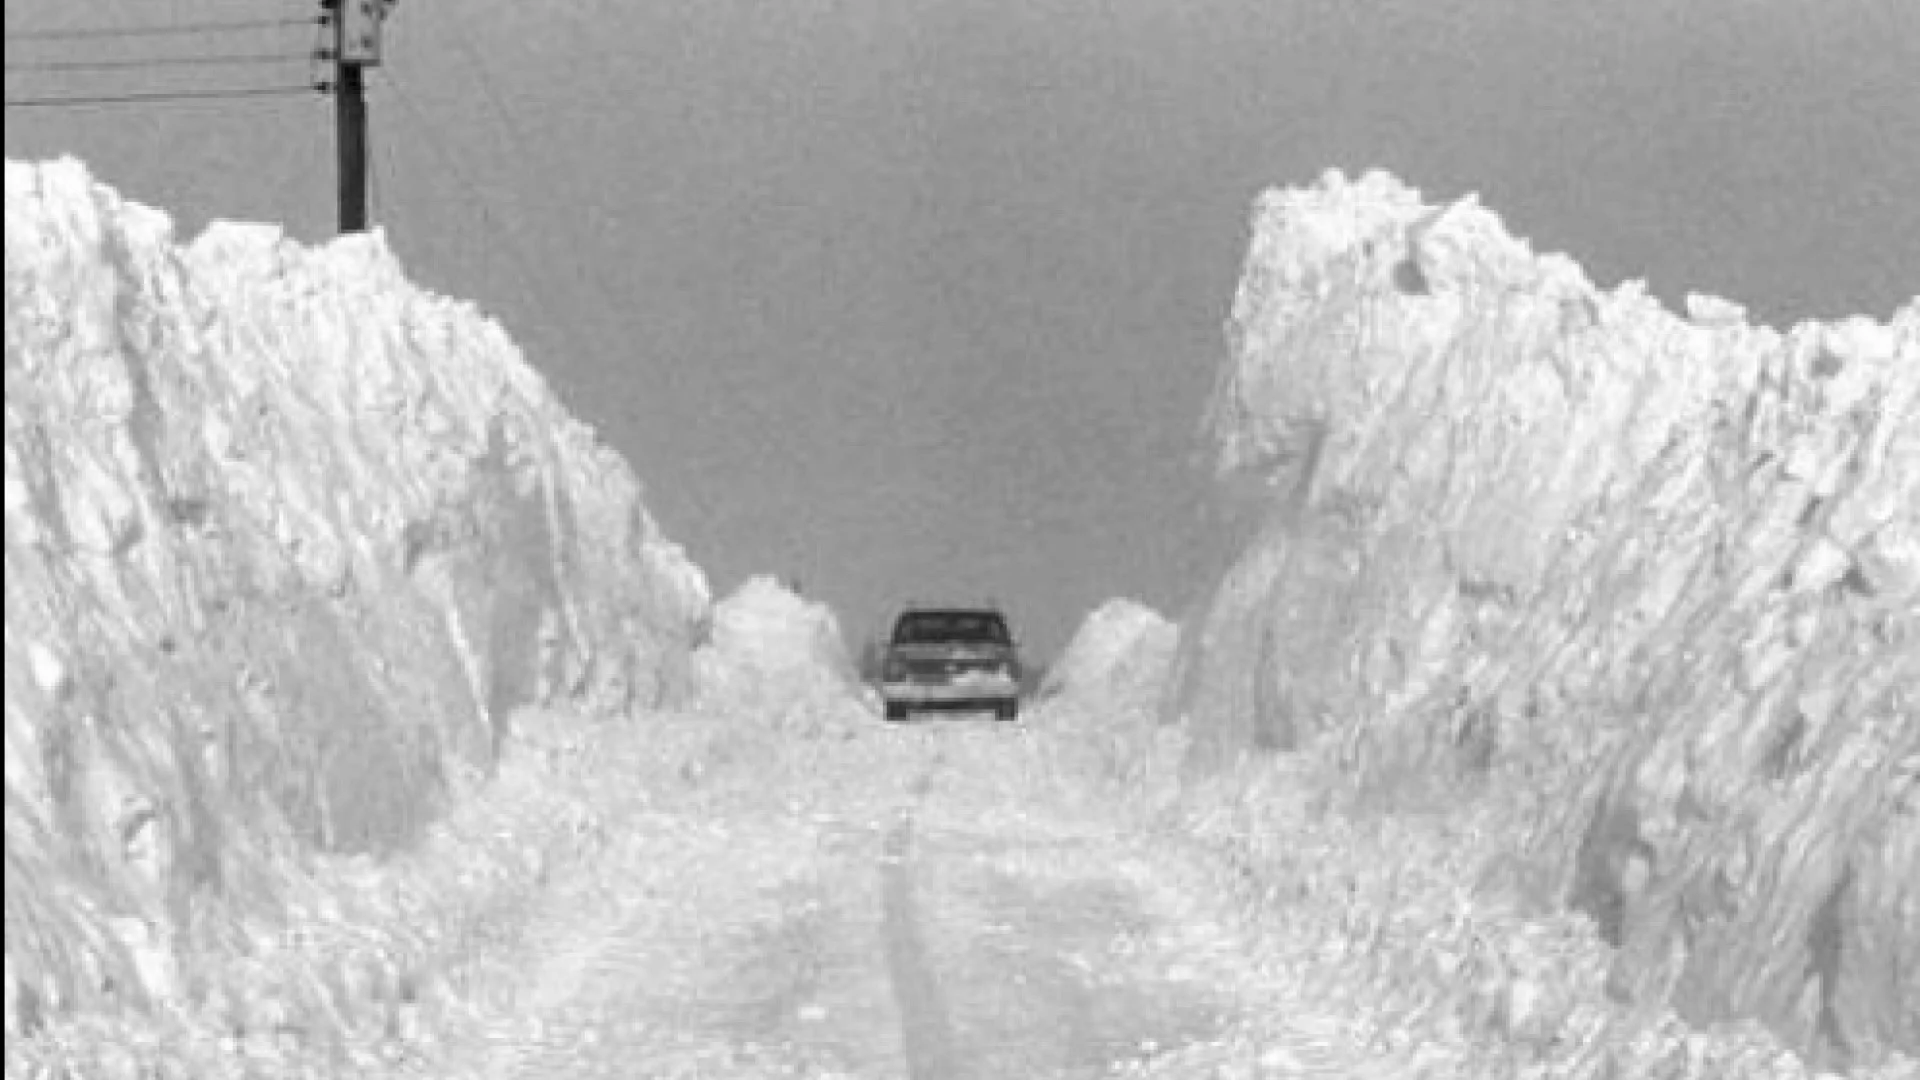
column 776, row 652
column 1122, row 647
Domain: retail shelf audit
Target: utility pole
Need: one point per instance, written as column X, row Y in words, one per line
column 350, row 135
column 356, row 46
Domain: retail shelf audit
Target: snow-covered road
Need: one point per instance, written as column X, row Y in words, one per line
column 913, row 910
column 979, row 901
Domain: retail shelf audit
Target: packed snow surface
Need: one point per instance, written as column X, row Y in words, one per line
column 1558, row 721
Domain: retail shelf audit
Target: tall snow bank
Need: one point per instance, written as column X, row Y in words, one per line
column 1653, row 581
column 777, row 654
column 288, row 541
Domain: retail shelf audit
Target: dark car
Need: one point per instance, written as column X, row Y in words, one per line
column 950, row 658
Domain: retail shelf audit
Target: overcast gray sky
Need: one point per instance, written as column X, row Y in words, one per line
column 922, row 297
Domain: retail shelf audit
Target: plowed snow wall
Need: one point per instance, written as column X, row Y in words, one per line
column 1656, row 578
column 287, row 542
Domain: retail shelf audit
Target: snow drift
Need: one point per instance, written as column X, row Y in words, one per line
column 288, row 543
column 776, row 654
column 1650, row 582
column 1120, row 649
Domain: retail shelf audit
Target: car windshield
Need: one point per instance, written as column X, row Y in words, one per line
column 929, row 627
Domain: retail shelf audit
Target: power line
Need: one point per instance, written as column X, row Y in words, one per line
column 136, row 99
column 219, row 60
column 94, row 33
column 502, row 231
column 502, row 234
column 322, row 52
column 479, row 66
column 515, row 133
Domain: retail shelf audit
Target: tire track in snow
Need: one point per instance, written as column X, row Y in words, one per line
column 926, row 1025
column 976, row 932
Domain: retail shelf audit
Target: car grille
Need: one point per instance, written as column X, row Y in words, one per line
column 945, row 669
